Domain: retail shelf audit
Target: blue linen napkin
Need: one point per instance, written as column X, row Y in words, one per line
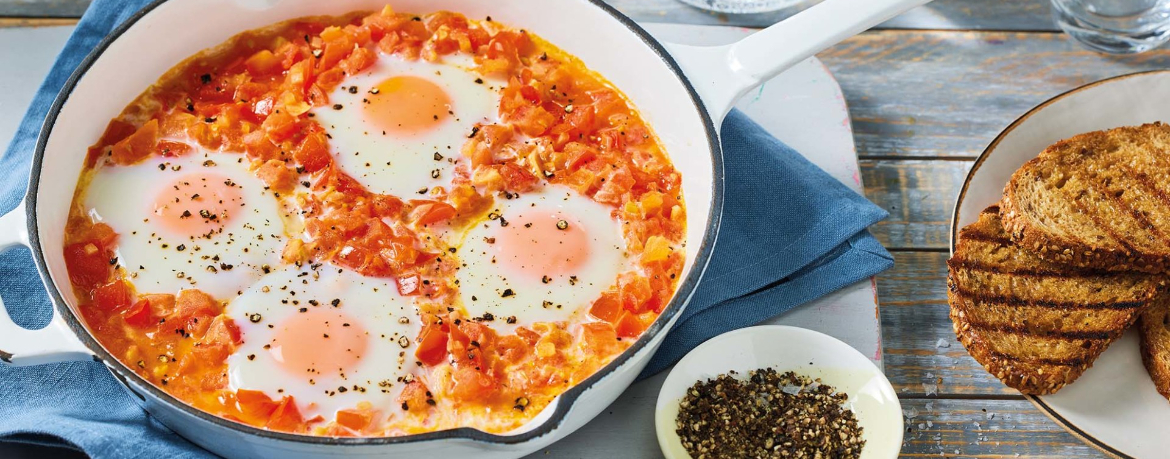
column 791, row 233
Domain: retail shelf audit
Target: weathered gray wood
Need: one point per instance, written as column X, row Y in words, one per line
column 985, row 429
column 43, row 8
column 919, row 195
column 922, row 356
column 943, row 93
column 942, row 14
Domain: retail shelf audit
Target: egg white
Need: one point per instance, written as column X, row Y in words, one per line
column 487, row 285
column 160, row 261
column 389, row 319
column 386, row 163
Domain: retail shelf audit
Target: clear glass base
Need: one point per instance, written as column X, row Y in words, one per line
column 743, row 6
column 1143, row 27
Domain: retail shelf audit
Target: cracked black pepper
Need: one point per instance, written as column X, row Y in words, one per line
column 768, row 415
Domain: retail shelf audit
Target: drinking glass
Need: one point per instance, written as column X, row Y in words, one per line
column 1115, row 26
column 743, row 6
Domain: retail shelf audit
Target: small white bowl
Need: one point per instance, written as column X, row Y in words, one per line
column 783, row 348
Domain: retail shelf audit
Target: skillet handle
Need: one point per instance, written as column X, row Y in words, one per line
column 722, row 74
column 19, row 345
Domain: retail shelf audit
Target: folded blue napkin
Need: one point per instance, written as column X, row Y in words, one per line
column 791, row 233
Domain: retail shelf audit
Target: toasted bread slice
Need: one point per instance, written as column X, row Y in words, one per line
column 1035, row 324
column 1097, row 200
column 1154, row 325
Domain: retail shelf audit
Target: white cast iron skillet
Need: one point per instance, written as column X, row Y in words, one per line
column 682, row 91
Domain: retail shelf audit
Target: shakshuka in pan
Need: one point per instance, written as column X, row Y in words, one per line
column 377, row 224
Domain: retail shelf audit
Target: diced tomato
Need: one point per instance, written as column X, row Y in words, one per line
column 355, row 419
column 277, row 176
column 223, row 331
column 387, row 206
column 472, row 384
column 264, row 63
column 313, row 153
column 329, row 79
column 137, row 146
column 299, row 77
column 532, row 120
column 578, row 154
column 176, row 124
column 467, row 200
column 112, row 296
column 517, row 178
column 657, row 248
column 617, row 183
column 512, row 348
column 257, row 146
column 139, row 314
column 600, row 338
column 527, row 335
column 360, row 59
column 634, row 290
column 338, row 46
column 280, row 126
column 195, row 309
column 258, row 96
column 115, row 131
column 337, row 180
column 169, row 148
column 409, row 285
column 628, row 326
column 286, row 417
column 608, row 308
column 414, row 397
column 89, row 264
column 432, row 345
column 430, row 212
column 160, row 303
column 255, row 404
column 530, row 94
column 217, row 90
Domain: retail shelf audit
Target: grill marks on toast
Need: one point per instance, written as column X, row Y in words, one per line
column 1035, row 324
column 1096, row 200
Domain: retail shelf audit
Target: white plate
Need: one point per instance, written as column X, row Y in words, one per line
column 806, row 352
column 1114, row 405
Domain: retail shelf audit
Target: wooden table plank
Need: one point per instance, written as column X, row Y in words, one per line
column 919, row 195
column 942, row 14
column 947, row 94
column 985, row 429
column 922, row 357
column 43, row 8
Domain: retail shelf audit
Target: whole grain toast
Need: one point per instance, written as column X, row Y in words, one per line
column 1096, row 200
column 1154, row 326
column 1035, row 324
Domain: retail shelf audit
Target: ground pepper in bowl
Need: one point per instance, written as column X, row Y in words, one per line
column 767, row 415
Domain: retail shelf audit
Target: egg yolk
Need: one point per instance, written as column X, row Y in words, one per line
column 197, row 204
column 407, row 105
column 542, row 243
column 318, row 342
